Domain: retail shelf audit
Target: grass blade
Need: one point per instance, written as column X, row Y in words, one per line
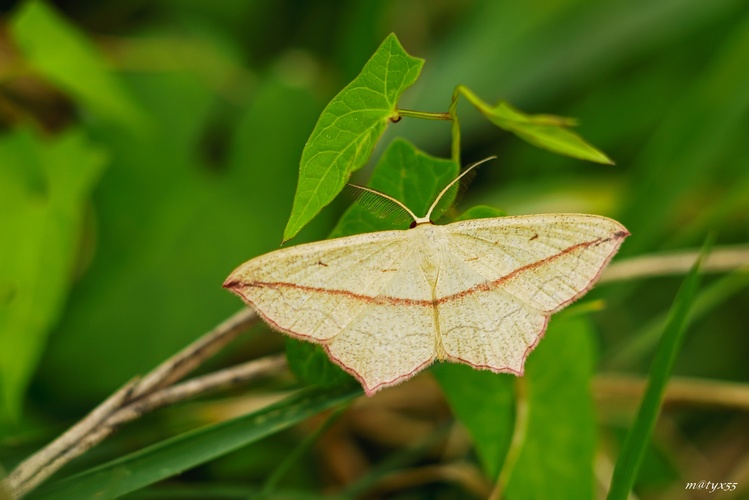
column 638, row 437
column 175, row 455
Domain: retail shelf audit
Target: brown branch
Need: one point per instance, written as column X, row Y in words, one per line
column 143, row 395
column 680, row 390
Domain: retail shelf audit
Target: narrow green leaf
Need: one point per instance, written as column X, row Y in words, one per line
column 639, row 434
column 644, row 339
column 44, row 187
column 188, row 450
column 407, row 174
column 64, row 56
column 544, row 131
column 349, row 128
column 555, row 458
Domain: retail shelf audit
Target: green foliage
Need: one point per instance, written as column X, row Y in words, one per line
column 481, row 212
column 412, row 177
column 349, row 128
column 174, row 228
column 695, row 134
column 560, row 420
column 44, row 188
column 484, row 402
column 311, row 365
column 554, row 416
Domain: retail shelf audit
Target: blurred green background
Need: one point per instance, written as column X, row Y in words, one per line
column 149, row 147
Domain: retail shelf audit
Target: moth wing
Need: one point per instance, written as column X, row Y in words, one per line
column 364, row 298
column 505, row 276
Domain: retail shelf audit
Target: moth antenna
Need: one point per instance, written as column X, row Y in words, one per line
column 458, row 178
column 381, row 204
column 453, row 195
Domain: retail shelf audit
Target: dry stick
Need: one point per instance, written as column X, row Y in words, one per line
column 726, row 258
column 57, row 448
column 201, row 385
column 144, row 392
column 694, row 391
column 222, row 379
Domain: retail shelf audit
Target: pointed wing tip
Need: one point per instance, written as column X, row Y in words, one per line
column 231, row 283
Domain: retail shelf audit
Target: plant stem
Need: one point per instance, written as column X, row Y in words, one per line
column 518, row 439
column 453, row 112
column 425, row 115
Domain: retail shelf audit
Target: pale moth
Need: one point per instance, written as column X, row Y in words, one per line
column 387, row 304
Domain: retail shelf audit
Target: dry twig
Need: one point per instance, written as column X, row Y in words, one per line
column 143, row 395
column 721, row 259
column 680, row 390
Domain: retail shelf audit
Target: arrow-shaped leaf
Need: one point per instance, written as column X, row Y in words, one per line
column 348, row 129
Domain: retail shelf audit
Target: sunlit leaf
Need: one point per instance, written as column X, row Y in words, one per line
column 348, row 129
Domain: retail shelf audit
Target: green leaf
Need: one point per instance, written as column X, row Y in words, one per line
column 311, row 365
column 552, row 450
column 638, row 436
column 65, row 57
column 407, row 174
column 544, row 131
column 558, row 438
column 175, row 455
column 481, row 212
column 484, row 402
column 44, row 188
column 349, row 128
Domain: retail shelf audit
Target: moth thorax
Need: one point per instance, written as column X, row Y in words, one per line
column 429, row 248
